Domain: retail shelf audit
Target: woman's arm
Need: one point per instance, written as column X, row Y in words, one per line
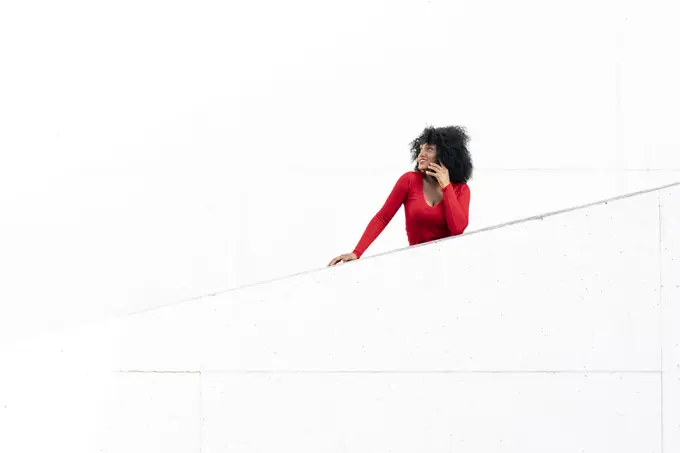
column 456, row 207
column 384, row 216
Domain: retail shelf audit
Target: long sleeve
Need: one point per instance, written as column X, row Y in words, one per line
column 384, row 216
column 456, row 207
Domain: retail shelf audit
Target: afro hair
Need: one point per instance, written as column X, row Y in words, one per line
column 451, row 143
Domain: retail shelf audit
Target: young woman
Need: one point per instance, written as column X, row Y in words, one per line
column 435, row 195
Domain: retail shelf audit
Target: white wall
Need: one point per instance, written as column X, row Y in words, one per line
column 670, row 317
column 156, row 151
column 554, row 334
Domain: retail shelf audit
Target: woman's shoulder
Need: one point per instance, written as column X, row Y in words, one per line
column 412, row 175
column 409, row 177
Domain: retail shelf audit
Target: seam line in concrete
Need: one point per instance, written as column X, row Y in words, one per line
column 200, row 412
column 661, row 336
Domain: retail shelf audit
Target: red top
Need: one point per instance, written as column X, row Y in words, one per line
column 424, row 223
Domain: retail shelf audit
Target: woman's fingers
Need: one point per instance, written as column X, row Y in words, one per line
column 336, row 260
column 343, row 258
column 438, row 168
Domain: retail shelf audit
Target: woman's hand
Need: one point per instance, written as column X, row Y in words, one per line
column 343, row 258
column 441, row 173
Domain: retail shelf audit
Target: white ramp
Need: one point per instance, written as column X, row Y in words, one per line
column 555, row 334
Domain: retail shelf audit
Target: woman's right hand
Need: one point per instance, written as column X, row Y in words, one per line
column 343, row 258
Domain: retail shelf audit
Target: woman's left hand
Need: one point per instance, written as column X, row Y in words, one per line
column 441, row 173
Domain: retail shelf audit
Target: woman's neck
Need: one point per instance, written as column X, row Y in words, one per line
column 430, row 179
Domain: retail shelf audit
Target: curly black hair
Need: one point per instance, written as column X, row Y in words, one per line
column 451, row 143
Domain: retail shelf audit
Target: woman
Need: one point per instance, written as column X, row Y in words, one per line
column 435, row 196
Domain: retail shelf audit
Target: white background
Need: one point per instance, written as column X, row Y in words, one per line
column 156, row 151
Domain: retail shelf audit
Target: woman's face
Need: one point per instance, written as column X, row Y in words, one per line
column 427, row 156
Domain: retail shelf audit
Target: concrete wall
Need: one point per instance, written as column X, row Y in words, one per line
column 154, row 151
column 553, row 334
column 670, row 316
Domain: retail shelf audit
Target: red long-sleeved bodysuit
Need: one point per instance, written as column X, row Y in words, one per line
column 424, row 223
